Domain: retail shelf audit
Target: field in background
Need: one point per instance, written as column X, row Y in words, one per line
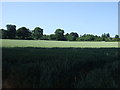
column 61, row 44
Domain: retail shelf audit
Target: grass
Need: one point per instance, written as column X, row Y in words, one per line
column 61, row 68
column 39, row 64
column 62, row 44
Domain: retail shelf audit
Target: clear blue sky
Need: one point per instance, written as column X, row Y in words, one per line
column 81, row 17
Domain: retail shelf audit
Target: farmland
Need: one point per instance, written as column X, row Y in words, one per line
column 62, row 44
column 60, row 64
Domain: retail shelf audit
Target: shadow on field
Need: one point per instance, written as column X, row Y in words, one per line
column 61, row 67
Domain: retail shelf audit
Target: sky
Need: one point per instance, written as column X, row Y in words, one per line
column 81, row 17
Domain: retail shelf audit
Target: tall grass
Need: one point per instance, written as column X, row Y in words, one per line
column 61, row 67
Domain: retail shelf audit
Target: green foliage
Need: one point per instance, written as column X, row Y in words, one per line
column 23, row 33
column 52, row 37
column 72, row 36
column 105, row 35
column 45, row 37
column 89, row 37
column 37, row 33
column 4, row 33
column 59, row 34
column 11, row 30
column 116, row 36
column 61, row 68
column 97, row 78
column 67, row 36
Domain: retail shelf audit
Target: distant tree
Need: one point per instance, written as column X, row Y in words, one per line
column 52, row 37
column 78, row 39
column 105, row 35
column 67, row 36
column 37, row 33
column 97, row 38
column 116, row 36
column 11, row 30
column 46, row 37
column 88, row 37
column 59, row 34
column 23, row 33
column 108, row 35
column 3, row 34
column 73, row 36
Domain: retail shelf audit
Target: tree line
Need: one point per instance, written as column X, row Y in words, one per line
column 37, row 34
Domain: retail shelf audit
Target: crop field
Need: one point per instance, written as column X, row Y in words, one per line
column 63, row 44
column 60, row 64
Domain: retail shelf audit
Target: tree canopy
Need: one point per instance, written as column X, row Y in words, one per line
column 11, row 31
column 37, row 33
column 59, row 34
column 23, row 33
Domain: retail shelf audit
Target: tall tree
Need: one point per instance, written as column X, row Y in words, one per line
column 3, row 34
column 108, row 35
column 23, row 33
column 11, row 29
column 74, row 36
column 59, row 34
column 105, row 35
column 116, row 36
column 37, row 33
column 67, row 36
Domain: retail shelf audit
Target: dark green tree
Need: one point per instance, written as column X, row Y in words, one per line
column 59, row 34
column 23, row 33
column 70, row 37
column 67, row 36
column 97, row 38
column 37, row 33
column 116, row 36
column 52, row 37
column 108, row 35
column 46, row 37
column 89, row 37
column 73, row 36
column 11, row 30
column 3, row 34
column 105, row 35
